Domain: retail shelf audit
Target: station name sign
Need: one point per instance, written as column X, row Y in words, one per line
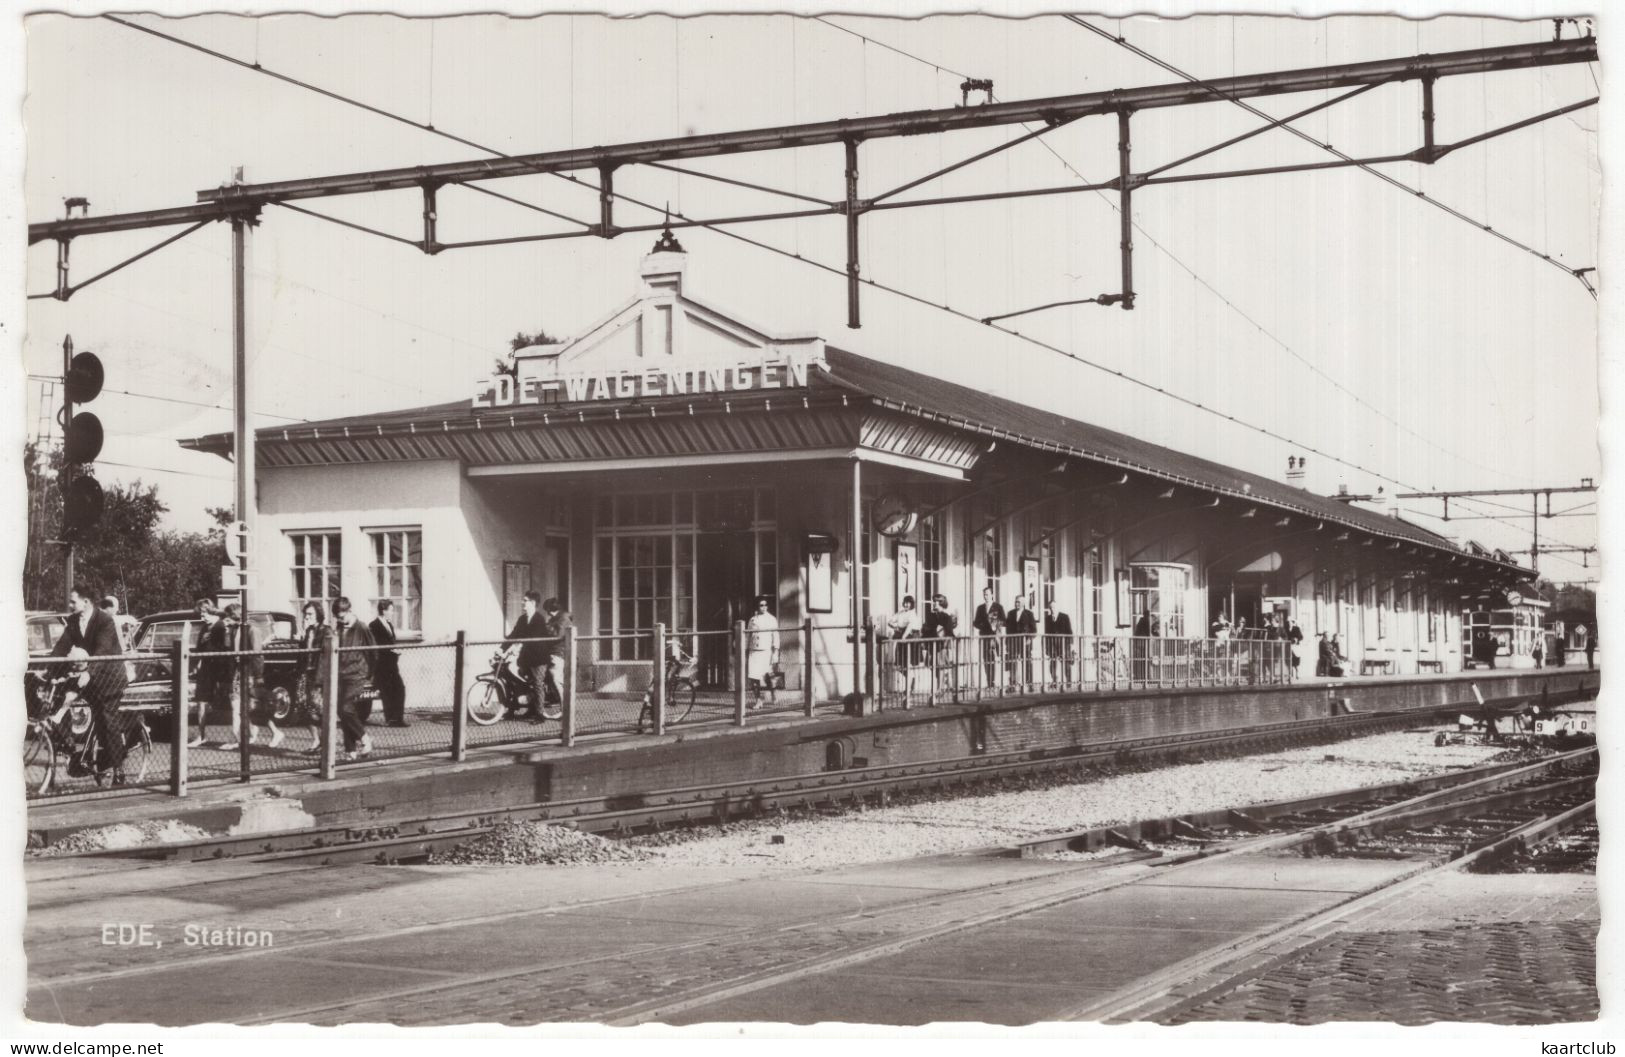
column 628, row 383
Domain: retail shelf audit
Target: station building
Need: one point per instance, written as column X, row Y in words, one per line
column 674, row 461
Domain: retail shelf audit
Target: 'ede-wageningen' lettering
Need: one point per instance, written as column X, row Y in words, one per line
column 630, row 383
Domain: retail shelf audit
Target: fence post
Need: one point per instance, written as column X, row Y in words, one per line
column 244, row 693
column 657, row 685
column 739, row 673
column 459, row 711
column 330, row 707
column 871, row 668
column 180, row 659
column 807, row 669
column 567, row 728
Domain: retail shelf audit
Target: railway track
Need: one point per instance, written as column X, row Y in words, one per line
column 689, row 979
column 1515, row 804
column 415, row 839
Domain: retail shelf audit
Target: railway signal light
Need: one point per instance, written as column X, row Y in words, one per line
column 82, row 437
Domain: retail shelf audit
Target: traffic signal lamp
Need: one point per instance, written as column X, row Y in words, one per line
column 82, row 438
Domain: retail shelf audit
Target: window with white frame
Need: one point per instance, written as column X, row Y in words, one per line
column 1049, row 564
column 397, row 574
column 930, row 556
column 1158, row 592
column 1097, row 592
column 316, row 562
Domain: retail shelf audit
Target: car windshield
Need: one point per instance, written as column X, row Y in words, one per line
column 162, row 635
column 42, row 635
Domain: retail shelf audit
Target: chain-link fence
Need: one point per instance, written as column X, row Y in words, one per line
column 926, row 671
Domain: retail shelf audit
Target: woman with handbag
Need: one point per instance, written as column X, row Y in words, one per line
column 761, row 653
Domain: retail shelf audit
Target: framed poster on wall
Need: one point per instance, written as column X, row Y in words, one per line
column 907, row 566
column 1125, row 609
column 1030, row 584
column 515, row 582
column 820, row 552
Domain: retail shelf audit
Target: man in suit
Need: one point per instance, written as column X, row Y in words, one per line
column 1057, row 642
column 387, row 665
column 989, row 622
column 533, row 656
column 102, row 685
column 1020, row 623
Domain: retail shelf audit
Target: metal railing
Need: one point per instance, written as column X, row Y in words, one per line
column 312, row 709
column 926, row 671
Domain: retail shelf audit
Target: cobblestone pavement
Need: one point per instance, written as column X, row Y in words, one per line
column 1526, row 972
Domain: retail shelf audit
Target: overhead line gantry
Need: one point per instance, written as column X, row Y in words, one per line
column 239, row 201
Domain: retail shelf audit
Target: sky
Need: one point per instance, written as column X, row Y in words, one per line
column 1331, row 309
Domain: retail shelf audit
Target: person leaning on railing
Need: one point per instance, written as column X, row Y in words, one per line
column 1022, row 626
column 1057, row 642
column 900, row 627
column 940, row 625
column 989, row 623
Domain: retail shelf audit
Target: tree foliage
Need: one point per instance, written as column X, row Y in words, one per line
column 126, row 553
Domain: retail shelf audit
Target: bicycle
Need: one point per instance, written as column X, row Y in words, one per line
column 491, row 695
column 682, row 689
column 60, row 727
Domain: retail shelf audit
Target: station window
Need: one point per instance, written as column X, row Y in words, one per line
column 397, row 574
column 1049, row 564
column 992, row 560
column 1158, row 593
column 316, row 561
column 930, row 557
column 1097, row 592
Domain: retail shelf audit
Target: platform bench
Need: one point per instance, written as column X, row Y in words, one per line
column 1384, row 665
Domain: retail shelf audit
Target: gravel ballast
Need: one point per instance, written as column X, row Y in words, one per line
column 123, row 835
column 880, row 834
column 538, row 844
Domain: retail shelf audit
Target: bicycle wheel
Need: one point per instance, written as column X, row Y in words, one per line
column 486, row 702
column 39, row 759
column 138, row 756
column 680, row 697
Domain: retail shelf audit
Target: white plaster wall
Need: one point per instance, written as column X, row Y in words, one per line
column 352, row 500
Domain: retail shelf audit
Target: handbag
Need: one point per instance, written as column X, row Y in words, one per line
column 775, row 677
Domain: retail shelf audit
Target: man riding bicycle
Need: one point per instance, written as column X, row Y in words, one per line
column 534, row 658
column 102, row 686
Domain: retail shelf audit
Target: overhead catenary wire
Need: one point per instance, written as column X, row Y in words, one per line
column 1415, row 192
column 1210, row 288
column 1214, row 291
column 172, row 399
column 895, row 291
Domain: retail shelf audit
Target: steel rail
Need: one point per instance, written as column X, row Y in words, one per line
column 1416, row 792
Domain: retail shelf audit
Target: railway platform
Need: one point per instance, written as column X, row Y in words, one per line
column 629, row 770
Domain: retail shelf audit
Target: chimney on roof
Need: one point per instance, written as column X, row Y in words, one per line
column 662, row 270
column 1294, row 469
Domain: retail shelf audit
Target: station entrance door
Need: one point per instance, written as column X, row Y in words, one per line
column 724, row 589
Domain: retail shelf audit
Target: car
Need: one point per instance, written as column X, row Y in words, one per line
column 44, row 628
column 151, row 687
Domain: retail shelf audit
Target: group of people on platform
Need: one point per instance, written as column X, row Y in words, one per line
column 1004, row 664
column 368, row 672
